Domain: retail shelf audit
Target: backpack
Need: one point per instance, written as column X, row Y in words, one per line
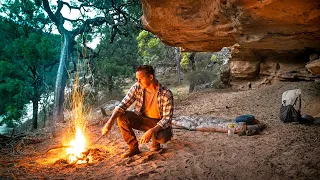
column 290, row 106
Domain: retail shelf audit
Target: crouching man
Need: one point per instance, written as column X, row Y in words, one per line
column 153, row 113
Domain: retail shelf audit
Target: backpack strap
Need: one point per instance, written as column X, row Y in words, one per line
column 295, row 102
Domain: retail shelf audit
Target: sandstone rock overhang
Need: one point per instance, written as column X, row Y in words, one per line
column 209, row 25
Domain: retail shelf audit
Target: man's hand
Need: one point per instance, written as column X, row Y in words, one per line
column 146, row 137
column 106, row 128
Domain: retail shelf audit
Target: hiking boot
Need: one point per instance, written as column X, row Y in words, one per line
column 130, row 152
column 155, row 147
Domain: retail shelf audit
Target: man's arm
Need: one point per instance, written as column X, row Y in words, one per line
column 128, row 99
column 147, row 135
column 114, row 116
column 156, row 129
column 107, row 127
column 120, row 109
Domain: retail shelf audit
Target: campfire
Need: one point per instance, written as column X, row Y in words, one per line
column 77, row 149
column 78, row 142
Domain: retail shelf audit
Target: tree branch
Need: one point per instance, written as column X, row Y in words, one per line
column 44, row 25
column 88, row 24
column 71, row 20
column 52, row 16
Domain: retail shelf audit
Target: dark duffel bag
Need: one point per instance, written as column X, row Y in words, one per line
column 289, row 114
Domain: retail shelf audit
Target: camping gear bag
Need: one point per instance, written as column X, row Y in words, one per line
column 290, row 106
column 247, row 118
column 306, row 119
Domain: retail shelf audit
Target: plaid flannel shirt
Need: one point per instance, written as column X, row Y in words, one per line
column 164, row 98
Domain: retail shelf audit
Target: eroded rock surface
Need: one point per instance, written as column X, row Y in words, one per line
column 208, row 25
column 262, row 35
column 314, row 66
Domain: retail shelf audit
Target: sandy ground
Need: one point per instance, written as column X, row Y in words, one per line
column 281, row 151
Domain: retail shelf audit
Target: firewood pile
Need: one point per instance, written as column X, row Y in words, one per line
column 16, row 142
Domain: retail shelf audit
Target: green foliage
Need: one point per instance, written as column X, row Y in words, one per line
column 153, row 51
column 185, row 61
column 13, row 97
column 207, row 69
column 24, row 64
column 25, row 13
column 11, row 70
column 48, row 48
column 116, row 62
column 32, row 51
column 213, row 58
column 200, row 77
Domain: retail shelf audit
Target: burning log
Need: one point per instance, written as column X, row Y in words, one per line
column 87, row 157
column 58, row 147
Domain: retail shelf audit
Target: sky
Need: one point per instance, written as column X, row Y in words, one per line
column 74, row 14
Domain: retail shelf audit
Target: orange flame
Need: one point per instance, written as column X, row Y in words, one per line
column 78, row 145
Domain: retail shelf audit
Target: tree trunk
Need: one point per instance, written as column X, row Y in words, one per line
column 178, row 59
column 62, row 78
column 36, row 97
column 35, row 106
column 191, row 61
column 192, row 66
column 35, row 114
column 110, row 84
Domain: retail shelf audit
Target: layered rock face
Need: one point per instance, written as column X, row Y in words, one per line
column 256, row 28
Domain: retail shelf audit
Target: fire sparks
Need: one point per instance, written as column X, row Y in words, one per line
column 79, row 113
column 76, row 149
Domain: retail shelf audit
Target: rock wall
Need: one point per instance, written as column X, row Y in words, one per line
column 285, row 65
column 209, row 25
column 252, row 28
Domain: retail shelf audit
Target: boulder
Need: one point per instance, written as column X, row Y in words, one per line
column 244, row 69
column 314, row 67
